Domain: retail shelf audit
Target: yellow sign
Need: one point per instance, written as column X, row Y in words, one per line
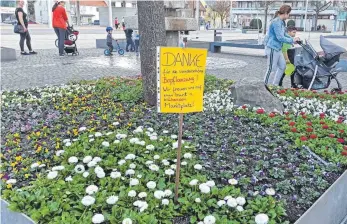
column 180, row 76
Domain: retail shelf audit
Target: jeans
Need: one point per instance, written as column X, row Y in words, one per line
column 137, row 44
column 291, row 55
column 25, row 36
column 61, row 38
column 131, row 43
column 110, row 47
column 275, row 63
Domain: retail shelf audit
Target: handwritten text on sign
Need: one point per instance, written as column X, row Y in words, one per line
column 181, row 73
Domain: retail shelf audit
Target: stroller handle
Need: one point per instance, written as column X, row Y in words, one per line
column 299, row 42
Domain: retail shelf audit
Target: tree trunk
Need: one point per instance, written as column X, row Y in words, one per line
column 31, row 10
column 265, row 18
column 151, row 23
column 221, row 22
column 345, row 27
column 315, row 22
column 78, row 13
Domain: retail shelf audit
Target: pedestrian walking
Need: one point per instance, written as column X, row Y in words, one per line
column 128, row 35
column 116, row 23
column 22, row 20
column 274, row 41
column 137, row 42
column 60, row 22
column 123, row 23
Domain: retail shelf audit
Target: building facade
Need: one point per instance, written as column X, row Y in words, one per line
column 7, row 9
column 245, row 10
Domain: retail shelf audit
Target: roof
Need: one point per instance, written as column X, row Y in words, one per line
column 98, row 3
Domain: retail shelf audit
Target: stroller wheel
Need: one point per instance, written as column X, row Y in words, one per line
column 336, row 90
column 121, row 52
column 107, row 52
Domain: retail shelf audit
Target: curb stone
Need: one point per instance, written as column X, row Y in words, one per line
column 8, row 216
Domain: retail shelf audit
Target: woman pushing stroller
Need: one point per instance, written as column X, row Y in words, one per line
column 60, row 22
column 277, row 36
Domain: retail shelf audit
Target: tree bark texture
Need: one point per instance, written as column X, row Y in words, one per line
column 78, row 13
column 265, row 18
column 151, row 17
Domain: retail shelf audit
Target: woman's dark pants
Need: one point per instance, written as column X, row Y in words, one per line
column 61, row 38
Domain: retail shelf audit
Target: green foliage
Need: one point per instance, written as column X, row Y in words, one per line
column 214, row 83
column 255, row 23
column 291, row 23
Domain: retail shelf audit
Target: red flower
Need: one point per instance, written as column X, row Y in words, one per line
column 244, row 107
column 288, row 118
column 339, row 121
column 272, row 115
column 303, row 138
column 344, row 153
column 293, row 130
column 325, row 126
column 302, row 113
column 292, row 123
column 345, row 147
column 286, row 113
column 313, row 136
column 304, row 116
column 341, row 140
column 331, row 135
column 322, row 115
column 341, row 131
column 260, row 111
column 322, row 122
column 309, row 123
column 309, row 129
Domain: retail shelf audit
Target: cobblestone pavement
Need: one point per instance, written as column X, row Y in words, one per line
column 47, row 68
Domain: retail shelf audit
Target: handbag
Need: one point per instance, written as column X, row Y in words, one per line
column 18, row 28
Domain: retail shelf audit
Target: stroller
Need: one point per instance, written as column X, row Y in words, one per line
column 315, row 72
column 71, row 37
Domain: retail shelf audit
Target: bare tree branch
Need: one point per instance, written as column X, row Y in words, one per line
column 266, row 5
column 222, row 8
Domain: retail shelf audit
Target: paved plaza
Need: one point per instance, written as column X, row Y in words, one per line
column 47, row 68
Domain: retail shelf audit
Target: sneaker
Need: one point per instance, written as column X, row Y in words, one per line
column 24, row 53
column 32, row 52
column 61, row 55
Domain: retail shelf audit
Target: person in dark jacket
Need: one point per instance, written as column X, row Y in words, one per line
column 128, row 35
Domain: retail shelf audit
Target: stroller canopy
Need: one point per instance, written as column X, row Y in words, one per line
column 330, row 49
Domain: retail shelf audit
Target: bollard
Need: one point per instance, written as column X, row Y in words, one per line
column 215, row 37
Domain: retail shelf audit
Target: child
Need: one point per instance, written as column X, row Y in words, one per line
column 137, row 42
column 288, row 53
column 109, row 39
column 183, row 43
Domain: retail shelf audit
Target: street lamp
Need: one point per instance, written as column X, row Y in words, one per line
column 230, row 13
column 305, row 15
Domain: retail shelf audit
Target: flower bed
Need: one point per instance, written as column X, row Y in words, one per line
column 261, row 157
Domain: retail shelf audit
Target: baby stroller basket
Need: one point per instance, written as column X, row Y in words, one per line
column 313, row 71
